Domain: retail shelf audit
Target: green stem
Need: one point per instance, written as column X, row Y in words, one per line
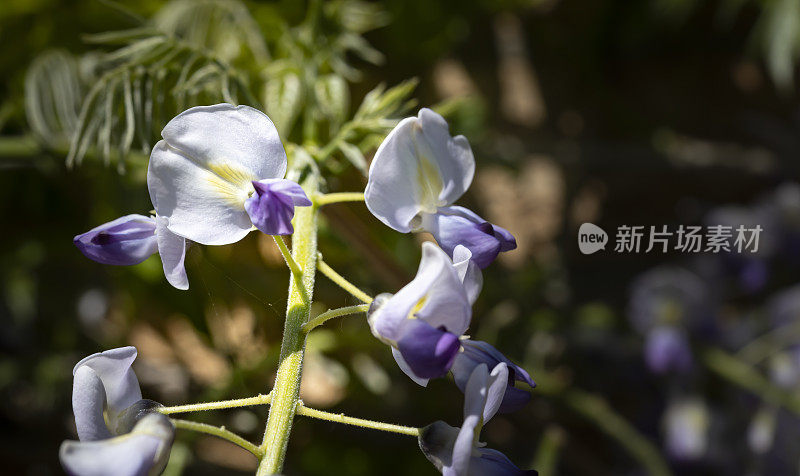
column 220, row 432
column 346, row 420
column 341, row 281
column 328, row 198
column 297, row 273
column 770, row 343
column 287, row 382
column 745, row 376
column 597, row 410
column 201, row 407
column 327, row 315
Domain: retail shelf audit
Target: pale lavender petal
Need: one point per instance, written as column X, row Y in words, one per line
column 125, row 241
column 142, row 452
column 428, row 351
column 495, row 390
column 462, row 448
column 468, row 271
column 453, row 226
column 113, row 367
column 271, row 208
column 475, row 392
column 88, row 403
column 172, row 249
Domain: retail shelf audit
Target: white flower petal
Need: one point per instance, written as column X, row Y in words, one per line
column 113, row 367
column 224, row 132
column 445, row 303
column 142, row 452
column 453, row 155
column 172, row 249
column 417, row 168
column 468, row 271
column 495, row 391
column 475, row 392
column 88, row 402
column 435, row 290
column 204, row 202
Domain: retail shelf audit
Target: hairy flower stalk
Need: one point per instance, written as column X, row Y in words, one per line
column 287, row 383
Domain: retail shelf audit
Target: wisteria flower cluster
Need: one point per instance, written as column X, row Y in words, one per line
column 217, row 175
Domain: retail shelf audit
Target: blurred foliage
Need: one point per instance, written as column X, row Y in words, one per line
column 649, row 113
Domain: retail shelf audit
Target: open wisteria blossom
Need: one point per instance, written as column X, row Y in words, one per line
column 219, row 172
column 458, row 451
column 417, row 174
column 119, row 433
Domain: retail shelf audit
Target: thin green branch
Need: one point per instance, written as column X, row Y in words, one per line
column 596, row 410
column 770, row 343
column 346, row 420
column 201, row 407
column 333, row 313
column 745, row 376
column 287, row 255
column 220, row 432
column 337, row 278
column 328, row 198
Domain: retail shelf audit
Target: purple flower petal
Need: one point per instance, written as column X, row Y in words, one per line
column 127, row 240
column 667, row 350
column 477, row 352
column 428, row 351
column 453, row 226
column 494, row 463
column 271, row 208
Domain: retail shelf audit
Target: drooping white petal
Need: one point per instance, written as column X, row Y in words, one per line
column 224, row 132
column 88, row 403
column 445, row 303
column 417, row 168
column 204, row 201
column 495, row 391
column 475, row 392
column 113, row 368
column 468, row 271
column 462, row 448
column 172, row 249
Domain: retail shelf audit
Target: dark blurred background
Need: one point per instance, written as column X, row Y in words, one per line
column 651, row 112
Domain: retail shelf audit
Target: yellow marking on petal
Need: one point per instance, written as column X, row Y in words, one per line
column 232, row 183
column 412, row 314
column 428, row 178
